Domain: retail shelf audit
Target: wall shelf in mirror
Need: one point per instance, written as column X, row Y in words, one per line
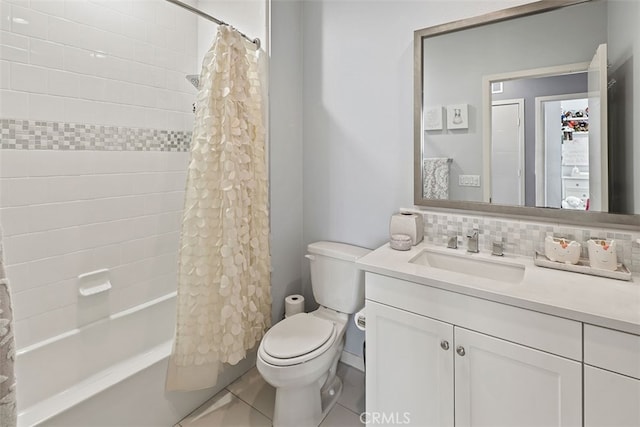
column 484, row 56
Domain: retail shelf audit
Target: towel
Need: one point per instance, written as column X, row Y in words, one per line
column 7, row 352
column 435, row 178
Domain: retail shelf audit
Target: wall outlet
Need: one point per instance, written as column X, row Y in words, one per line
column 469, row 180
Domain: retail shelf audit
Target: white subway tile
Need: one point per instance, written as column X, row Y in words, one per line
column 29, row 22
column 144, row 9
column 143, row 52
column 50, row 7
column 140, row 227
column 110, row 67
column 166, row 15
column 63, row 83
column 146, row 74
column 12, row 162
column 14, row 105
column 91, row 14
column 80, row 111
column 58, row 162
column 156, row 35
column 50, row 270
column 167, row 99
column 174, row 121
column 158, row 203
column 45, row 298
column 64, row 31
column 90, row 87
column 5, row 74
column 155, row 119
column 122, row 6
column 14, row 220
column 144, row 96
column 80, row 60
column 46, row 325
column 134, row 28
column 46, row 54
column 19, row 276
column 176, row 40
column 27, row 78
column 55, row 215
column 131, row 296
column 166, row 58
column 33, row 246
column 5, row 16
column 14, row 47
column 45, row 107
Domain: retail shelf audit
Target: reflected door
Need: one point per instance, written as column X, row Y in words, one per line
column 507, row 152
column 598, row 145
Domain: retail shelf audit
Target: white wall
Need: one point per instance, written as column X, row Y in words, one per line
column 358, row 114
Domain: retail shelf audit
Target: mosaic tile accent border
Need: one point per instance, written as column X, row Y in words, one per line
column 41, row 135
column 526, row 237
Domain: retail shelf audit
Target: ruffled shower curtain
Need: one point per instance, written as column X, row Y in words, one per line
column 7, row 352
column 224, row 299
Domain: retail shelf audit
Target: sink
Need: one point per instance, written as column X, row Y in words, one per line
column 474, row 265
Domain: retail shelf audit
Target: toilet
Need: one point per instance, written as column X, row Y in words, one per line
column 299, row 355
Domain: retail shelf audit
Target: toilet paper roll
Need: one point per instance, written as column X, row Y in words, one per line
column 407, row 223
column 360, row 320
column 293, row 304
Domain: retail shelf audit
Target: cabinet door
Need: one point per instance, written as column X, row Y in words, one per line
column 610, row 399
column 498, row 383
column 409, row 374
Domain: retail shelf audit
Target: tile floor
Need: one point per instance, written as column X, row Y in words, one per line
column 248, row 402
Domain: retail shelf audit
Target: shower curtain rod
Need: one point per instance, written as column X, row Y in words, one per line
column 198, row 12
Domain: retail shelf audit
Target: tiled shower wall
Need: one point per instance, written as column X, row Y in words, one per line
column 524, row 237
column 95, row 121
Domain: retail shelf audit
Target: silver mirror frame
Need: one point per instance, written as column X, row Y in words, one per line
column 543, row 214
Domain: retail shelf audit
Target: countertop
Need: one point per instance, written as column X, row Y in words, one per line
column 600, row 301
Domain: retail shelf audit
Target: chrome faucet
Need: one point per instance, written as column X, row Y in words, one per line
column 472, row 241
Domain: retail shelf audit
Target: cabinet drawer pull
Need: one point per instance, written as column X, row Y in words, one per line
column 444, row 344
column 460, row 350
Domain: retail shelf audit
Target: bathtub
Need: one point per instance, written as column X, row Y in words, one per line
column 109, row 373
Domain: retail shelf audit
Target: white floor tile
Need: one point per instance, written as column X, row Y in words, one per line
column 253, row 389
column 226, row 410
column 339, row 416
column 352, row 396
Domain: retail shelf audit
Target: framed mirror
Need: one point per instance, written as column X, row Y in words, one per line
column 529, row 111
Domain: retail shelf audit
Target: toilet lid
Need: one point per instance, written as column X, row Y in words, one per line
column 297, row 335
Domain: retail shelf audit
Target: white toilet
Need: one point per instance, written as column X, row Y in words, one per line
column 299, row 355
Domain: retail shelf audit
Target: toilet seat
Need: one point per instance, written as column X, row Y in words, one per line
column 297, row 339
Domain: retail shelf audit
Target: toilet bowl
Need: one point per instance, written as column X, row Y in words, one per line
column 299, row 355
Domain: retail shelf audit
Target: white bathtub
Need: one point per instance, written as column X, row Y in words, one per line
column 109, row 373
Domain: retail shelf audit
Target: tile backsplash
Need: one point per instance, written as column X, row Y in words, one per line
column 524, row 237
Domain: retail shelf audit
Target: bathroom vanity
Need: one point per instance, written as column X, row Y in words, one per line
column 470, row 339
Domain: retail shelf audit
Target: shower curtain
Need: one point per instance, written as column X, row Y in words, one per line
column 224, row 299
column 7, row 352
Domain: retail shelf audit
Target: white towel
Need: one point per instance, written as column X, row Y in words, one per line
column 435, row 178
column 7, row 352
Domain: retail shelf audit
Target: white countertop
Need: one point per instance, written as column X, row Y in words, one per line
column 596, row 300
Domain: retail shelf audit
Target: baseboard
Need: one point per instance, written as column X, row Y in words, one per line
column 352, row 360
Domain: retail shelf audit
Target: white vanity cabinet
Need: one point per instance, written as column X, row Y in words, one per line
column 409, row 368
column 448, row 359
column 611, row 378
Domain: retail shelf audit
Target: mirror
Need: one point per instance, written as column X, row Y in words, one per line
column 510, row 112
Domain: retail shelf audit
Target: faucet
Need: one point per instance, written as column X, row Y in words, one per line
column 472, row 241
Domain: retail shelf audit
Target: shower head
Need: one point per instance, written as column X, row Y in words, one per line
column 194, row 79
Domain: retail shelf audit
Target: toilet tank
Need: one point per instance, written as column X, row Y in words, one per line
column 336, row 281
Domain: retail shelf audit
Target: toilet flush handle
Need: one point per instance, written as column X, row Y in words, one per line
column 310, row 257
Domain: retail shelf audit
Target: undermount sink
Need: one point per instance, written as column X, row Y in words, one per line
column 473, row 265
